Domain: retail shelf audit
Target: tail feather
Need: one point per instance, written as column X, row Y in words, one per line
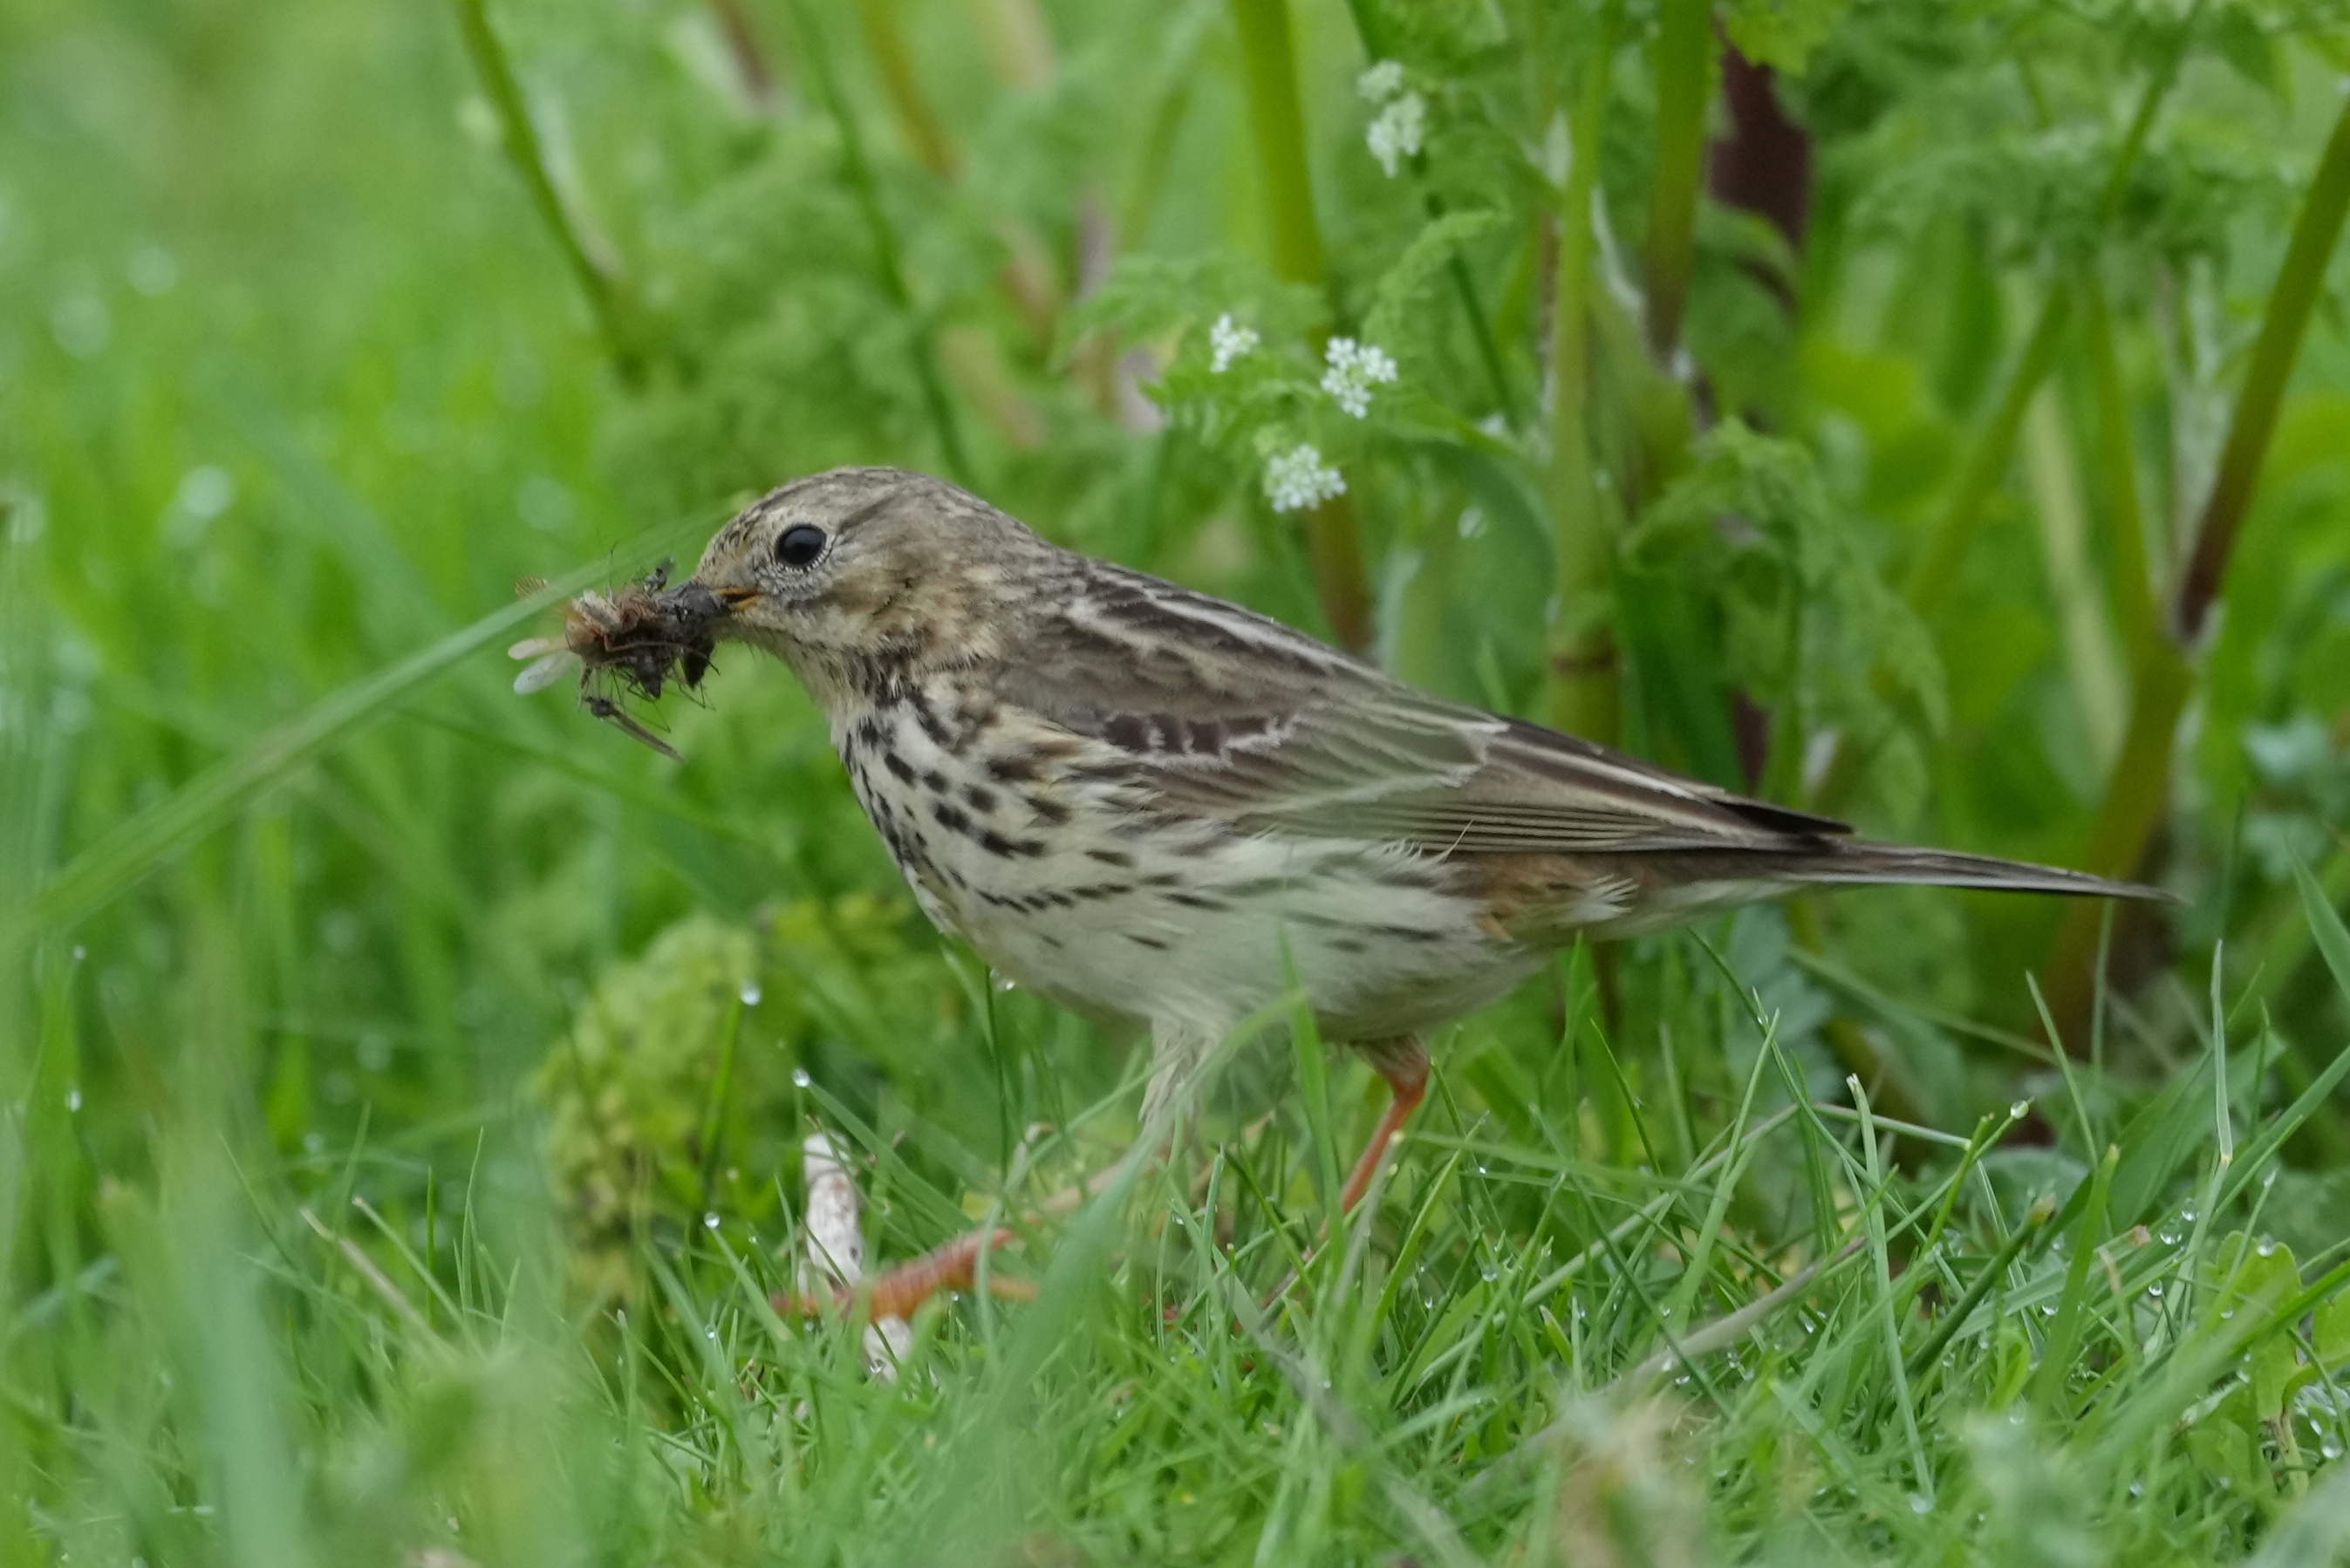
column 1858, row 862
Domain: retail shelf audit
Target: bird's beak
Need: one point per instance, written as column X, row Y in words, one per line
column 693, row 611
column 692, row 616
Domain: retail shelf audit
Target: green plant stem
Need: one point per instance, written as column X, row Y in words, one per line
column 1686, row 46
column 1277, row 121
column 925, row 137
column 2163, row 675
column 1333, row 542
column 1583, row 690
column 921, row 342
column 2283, row 327
column 609, row 297
column 2132, row 589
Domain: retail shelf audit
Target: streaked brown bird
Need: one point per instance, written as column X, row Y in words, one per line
column 1151, row 805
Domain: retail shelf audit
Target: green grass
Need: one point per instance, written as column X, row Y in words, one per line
column 401, row 1083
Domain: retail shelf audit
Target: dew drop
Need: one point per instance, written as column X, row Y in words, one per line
column 1005, row 982
column 710, row 1221
column 2266, row 1248
column 80, row 953
column 2018, row 1111
column 73, row 1099
column 2331, row 1448
column 800, row 1077
column 1920, row 1503
column 2154, row 1290
column 750, row 994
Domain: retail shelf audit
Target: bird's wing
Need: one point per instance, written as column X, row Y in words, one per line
column 1223, row 712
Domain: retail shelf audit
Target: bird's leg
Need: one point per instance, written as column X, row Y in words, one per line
column 1403, row 1063
column 1178, row 1057
column 953, row 1266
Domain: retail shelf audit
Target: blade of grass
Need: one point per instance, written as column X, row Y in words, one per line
column 124, row 857
column 609, row 297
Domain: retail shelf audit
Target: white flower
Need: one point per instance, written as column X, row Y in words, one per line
column 1381, row 82
column 1354, row 369
column 1229, row 340
column 1396, row 133
column 1297, row 479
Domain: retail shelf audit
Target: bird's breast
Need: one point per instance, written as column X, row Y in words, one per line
column 1045, row 851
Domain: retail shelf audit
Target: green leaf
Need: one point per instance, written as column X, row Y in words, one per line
column 1781, row 34
column 2248, row 1274
column 1395, row 314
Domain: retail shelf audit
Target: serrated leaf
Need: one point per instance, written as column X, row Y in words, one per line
column 1781, row 34
column 1395, row 297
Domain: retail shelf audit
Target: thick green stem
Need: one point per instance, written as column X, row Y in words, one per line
column 1583, row 690
column 1686, row 47
column 2132, row 589
column 2254, row 421
column 1334, row 543
column 921, row 345
column 2140, row 787
column 1269, row 67
column 600, row 279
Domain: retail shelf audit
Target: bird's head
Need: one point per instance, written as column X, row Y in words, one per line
column 859, row 564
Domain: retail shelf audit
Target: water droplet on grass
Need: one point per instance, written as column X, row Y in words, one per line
column 1920, row 1503
column 2018, row 1111
column 710, row 1221
column 800, row 1077
column 750, row 994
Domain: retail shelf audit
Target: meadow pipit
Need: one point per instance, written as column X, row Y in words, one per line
column 1151, row 805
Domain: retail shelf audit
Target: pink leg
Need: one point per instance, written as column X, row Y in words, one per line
column 1404, row 1064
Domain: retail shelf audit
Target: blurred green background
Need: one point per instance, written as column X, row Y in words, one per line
column 1935, row 414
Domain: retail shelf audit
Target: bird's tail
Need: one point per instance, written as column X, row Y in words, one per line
column 1859, row 862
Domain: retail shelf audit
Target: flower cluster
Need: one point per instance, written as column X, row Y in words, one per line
column 1354, row 369
column 1227, row 341
column 1401, row 127
column 1297, row 479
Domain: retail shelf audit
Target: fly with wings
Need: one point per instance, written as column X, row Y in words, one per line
column 1151, row 805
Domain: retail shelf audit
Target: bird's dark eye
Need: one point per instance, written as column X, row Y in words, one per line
column 799, row 545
